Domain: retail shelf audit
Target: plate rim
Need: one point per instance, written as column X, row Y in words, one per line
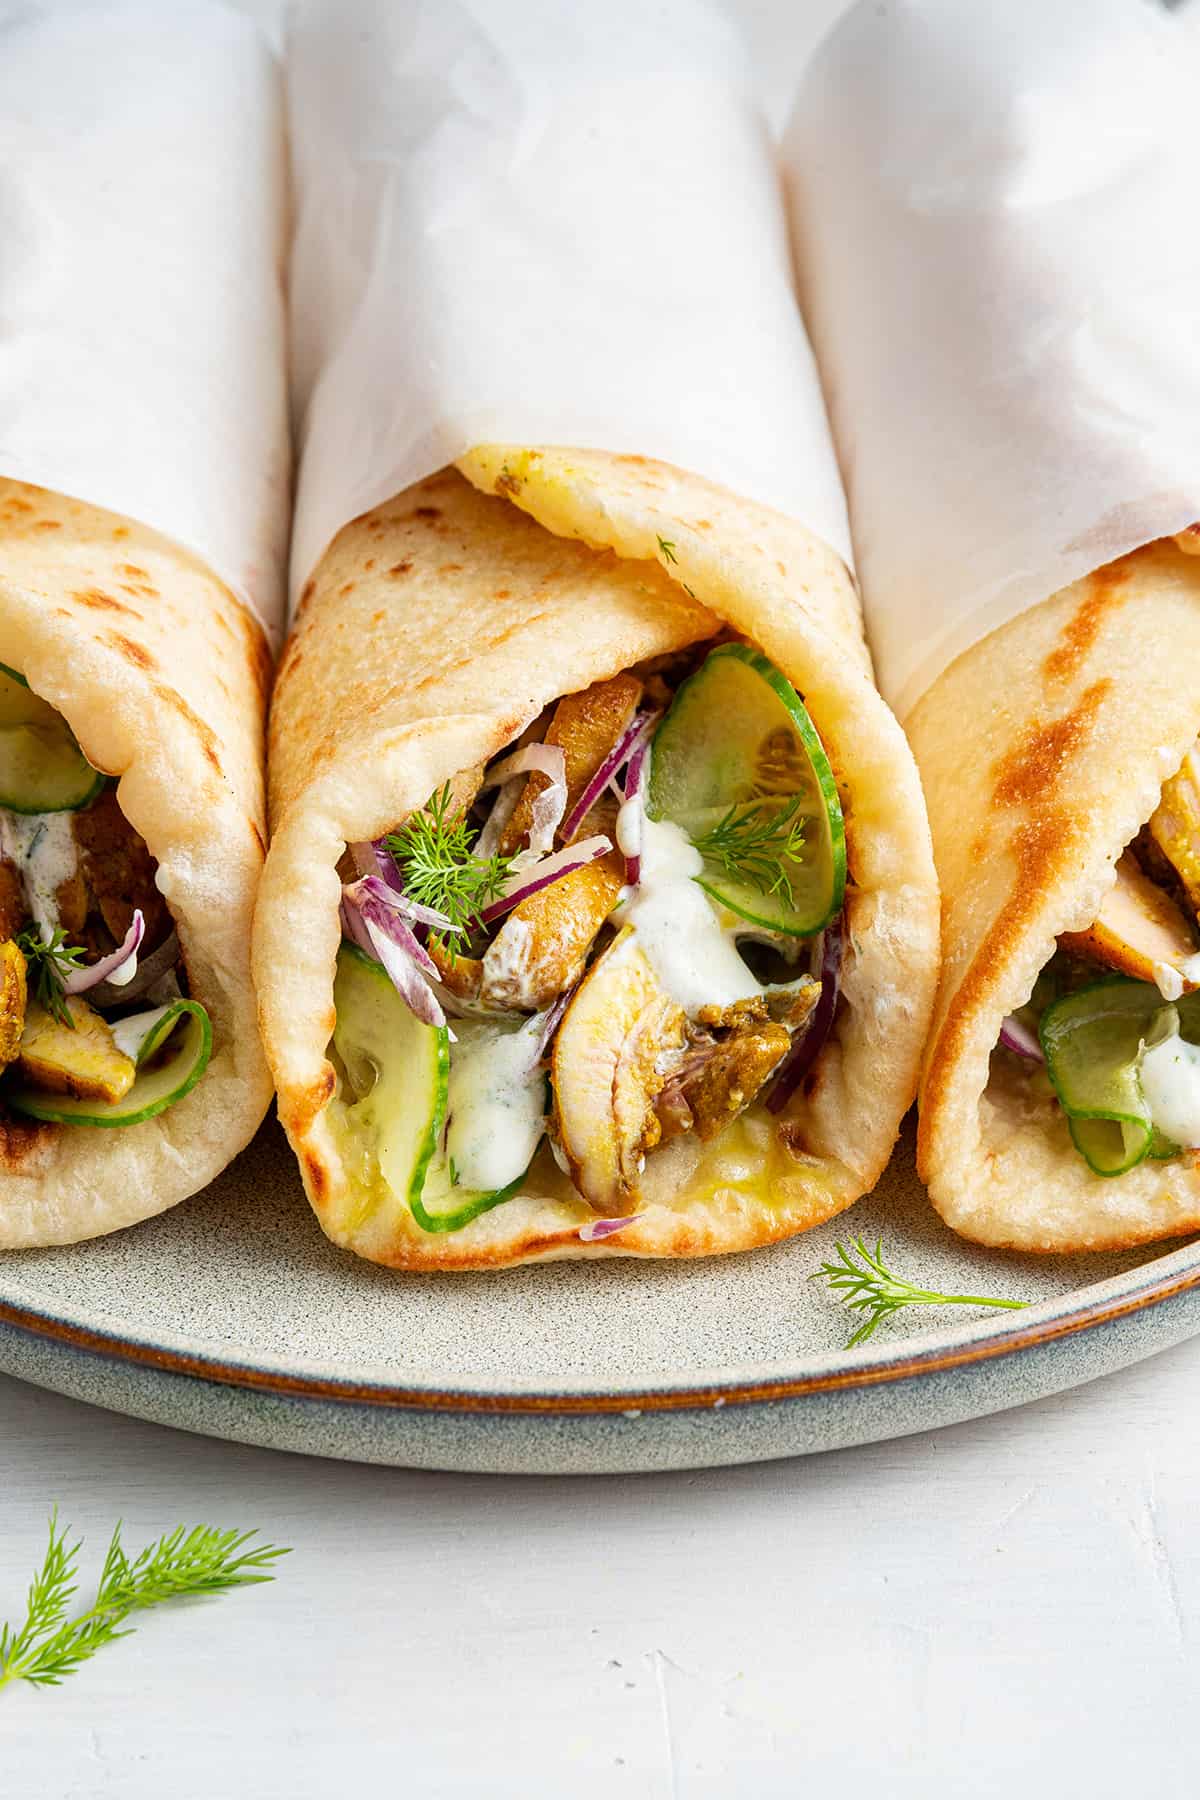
column 1059, row 1317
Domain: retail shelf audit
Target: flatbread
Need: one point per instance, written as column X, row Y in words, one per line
column 1079, row 710
column 163, row 677
column 435, row 628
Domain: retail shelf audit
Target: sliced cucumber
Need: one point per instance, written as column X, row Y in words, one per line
column 141, row 1036
column 395, row 1065
column 1092, row 1039
column 441, row 1206
column 399, row 1070
column 495, row 1120
column 168, row 1068
column 42, row 768
column 738, row 745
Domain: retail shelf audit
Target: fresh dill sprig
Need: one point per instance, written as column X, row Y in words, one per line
column 49, row 1646
column 666, row 547
column 439, row 869
column 868, row 1286
column 759, row 842
column 47, row 965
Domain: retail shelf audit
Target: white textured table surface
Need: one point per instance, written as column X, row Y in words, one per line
column 1007, row 1606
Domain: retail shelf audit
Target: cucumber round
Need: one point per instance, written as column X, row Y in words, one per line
column 441, row 1206
column 399, row 1069
column 159, row 1083
column 141, row 1036
column 738, row 744
column 42, row 768
column 1091, row 1040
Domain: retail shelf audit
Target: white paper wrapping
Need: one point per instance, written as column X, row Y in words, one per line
column 542, row 222
column 142, row 339
column 994, row 209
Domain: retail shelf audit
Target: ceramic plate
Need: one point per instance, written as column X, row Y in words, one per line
column 233, row 1316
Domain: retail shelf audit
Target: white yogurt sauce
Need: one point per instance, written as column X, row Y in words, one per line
column 631, row 815
column 677, row 927
column 130, row 1034
column 1170, row 1075
column 42, row 846
column 1171, row 979
column 496, row 1103
column 1168, row 980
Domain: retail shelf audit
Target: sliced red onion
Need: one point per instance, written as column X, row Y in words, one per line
column 355, row 929
column 808, row 1043
column 503, row 808
column 630, row 831
column 1018, row 1038
column 548, row 869
column 637, row 762
column 552, row 1019
column 636, row 735
column 543, row 759
column 378, row 928
column 631, row 820
column 117, row 969
column 377, row 860
column 404, row 970
column 550, row 803
column 381, row 916
column 375, row 888
column 597, row 1229
column 151, row 969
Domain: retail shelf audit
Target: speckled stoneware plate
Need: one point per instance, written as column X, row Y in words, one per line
column 233, row 1316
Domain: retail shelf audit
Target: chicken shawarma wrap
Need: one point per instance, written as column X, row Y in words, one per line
column 1019, row 439
column 599, row 914
column 1065, row 1056
column 132, row 693
column 144, row 477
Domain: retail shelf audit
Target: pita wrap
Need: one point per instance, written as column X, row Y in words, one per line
column 163, row 677
column 434, row 630
column 1014, row 397
column 1078, row 717
column 144, row 479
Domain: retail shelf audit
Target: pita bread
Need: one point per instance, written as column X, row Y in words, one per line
column 434, row 629
column 163, row 677
column 1078, row 715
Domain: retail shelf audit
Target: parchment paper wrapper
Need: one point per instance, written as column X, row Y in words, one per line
column 547, row 224
column 993, row 211
column 141, row 300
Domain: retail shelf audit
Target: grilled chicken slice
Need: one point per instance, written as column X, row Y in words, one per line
column 723, row 1069
column 14, row 911
column 82, row 1060
column 12, row 1000
column 1175, row 826
column 792, row 1005
column 615, row 1033
column 71, row 901
column 460, row 974
column 542, row 947
column 1139, row 930
column 586, row 726
column 118, row 870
